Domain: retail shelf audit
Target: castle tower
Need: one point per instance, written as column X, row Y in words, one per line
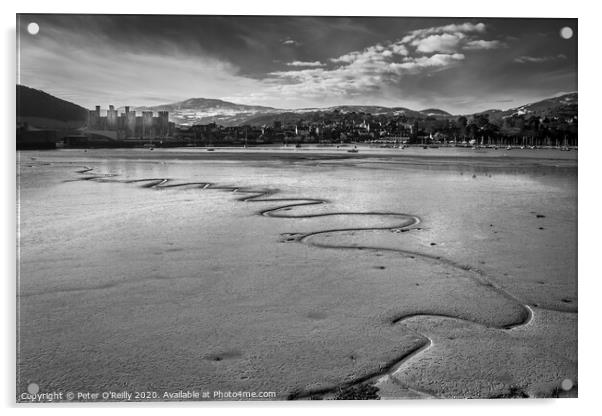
column 147, row 124
column 163, row 123
column 112, row 118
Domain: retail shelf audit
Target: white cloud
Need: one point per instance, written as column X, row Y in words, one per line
column 299, row 74
column 437, row 60
column 450, row 39
column 399, row 49
column 366, row 72
column 538, row 59
column 484, row 44
column 373, row 53
column 445, row 42
column 111, row 79
column 302, row 63
column 379, row 67
column 463, row 28
column 379, row 70
column 347, row 58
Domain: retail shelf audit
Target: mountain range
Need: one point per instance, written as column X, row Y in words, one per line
column 43, row 110
column 204, row 111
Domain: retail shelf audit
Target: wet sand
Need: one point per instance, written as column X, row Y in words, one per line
column 430, row 274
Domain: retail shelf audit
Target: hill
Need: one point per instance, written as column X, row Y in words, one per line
column 564, row 106
column 44, row 111
column 208, row 110
column 434, row 112
column 205, row 110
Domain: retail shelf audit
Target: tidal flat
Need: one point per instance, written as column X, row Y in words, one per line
column 441, row 273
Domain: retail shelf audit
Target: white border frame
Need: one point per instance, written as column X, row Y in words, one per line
column 589, row 208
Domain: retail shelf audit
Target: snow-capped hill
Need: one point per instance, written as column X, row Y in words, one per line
column 434, row 112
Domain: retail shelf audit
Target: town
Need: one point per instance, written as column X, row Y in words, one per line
column 128, row 129
column 549, row 123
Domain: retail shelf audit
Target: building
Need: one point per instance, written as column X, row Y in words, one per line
column 129, row 126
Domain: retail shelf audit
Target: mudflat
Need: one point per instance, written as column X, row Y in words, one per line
column 424, row 272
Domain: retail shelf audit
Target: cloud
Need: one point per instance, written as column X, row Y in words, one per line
column 538, row 59
column 445, row 42
column 373, row 53
column 361, row 73
column 399, row 49
column 102, row 74
column 84, row 59
column 379, row 68
column 437, row 60
column 456, row 29
column 484, row 44
column 301, row 63
column 450, row 39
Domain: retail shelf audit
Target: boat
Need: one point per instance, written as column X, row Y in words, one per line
column 352, row 150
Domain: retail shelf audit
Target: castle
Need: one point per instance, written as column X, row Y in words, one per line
column 128, row 125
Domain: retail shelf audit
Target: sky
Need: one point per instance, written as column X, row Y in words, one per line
column 461, row 65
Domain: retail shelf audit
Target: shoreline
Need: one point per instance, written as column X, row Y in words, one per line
column 441, row 156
